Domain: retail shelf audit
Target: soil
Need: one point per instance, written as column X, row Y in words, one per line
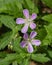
column 35, row 63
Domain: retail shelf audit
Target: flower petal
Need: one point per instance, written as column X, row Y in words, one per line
column 26, row 13
column 30, row 48
column 32, row 25
column 33, row 34
column 20, row 21
column 33, row 16
column 23, row 44
column 36, row 42
column 24, row 29
column 25, row 36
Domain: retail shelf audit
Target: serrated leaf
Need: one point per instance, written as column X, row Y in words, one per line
column 8, row 21
column 41, row 33
column 19, row 5
column 50, row 53
column 16, row 45
column 40, row 58
column 49, row 32
column 5, row 40
column 47, row 18
column 4, row 63
column 12, row 58
column 8, row 59
column 12, row 7
column 14, row 63
column 48, row 39
column 48, row 3
column 25, row 62
column 32, row 6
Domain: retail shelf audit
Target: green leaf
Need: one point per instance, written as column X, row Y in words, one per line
column 12, row 7
column 8, row 59
column 5, row 40
column 4, row 63
column 48, row 38
column 25, row 61
column 16, row 45
column 8, row 21
column 32, row 6
column 47, row 17
column 41, row 33
column 0, row 24
column 49, row 31
column 2, row 54
column 48, row 3
column 14, row 63
column 40, row 58
column 19, row 5
column 46, row 41
column 50, row 53
column 2, row 6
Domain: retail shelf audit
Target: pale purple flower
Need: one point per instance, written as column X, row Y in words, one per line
column 28, row 21
column 29, row 41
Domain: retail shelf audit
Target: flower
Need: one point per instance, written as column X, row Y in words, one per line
column 29, row 41
column 28, row 21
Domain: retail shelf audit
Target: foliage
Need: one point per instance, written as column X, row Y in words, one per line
column 10, row 35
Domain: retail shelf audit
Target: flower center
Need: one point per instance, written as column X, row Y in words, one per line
column 28, row 21
column 29, row 40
